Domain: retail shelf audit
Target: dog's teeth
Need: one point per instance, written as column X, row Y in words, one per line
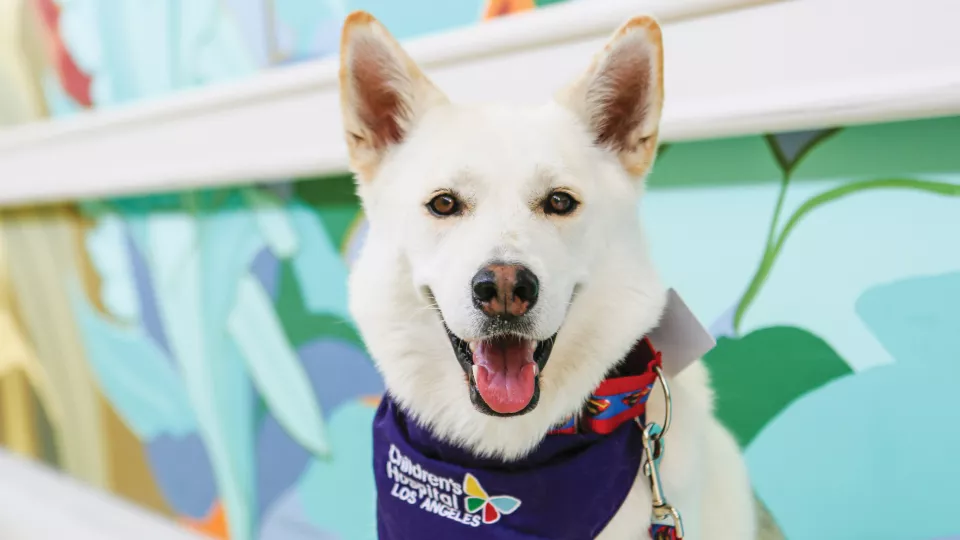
column 536, row 369
column 476, row 369
column 473, row 347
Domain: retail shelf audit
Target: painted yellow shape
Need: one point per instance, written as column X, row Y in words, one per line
column 16, row 414
column 19, row 367
column 21, row 60
column 42, row 261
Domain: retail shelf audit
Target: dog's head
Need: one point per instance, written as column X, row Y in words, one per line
column 504, row 273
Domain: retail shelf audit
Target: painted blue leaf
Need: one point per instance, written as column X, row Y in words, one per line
column 356, row 375
column 182, row 471
column 287, row 520
column 406, row 19
column 134, row 375
column 845, row 431
column 275, row 367
column 307, row 19
column 266, row 267
column 197, row 262
column 135, row 50
column 107, row 246
column 355, row 241
column 249, row 18
column 149, row 316
column 274, row 223
column 340, row 492
column 280, row 462
column 320, row 269
column 222, row 53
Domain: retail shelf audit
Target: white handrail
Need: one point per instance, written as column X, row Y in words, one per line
column 40, row 504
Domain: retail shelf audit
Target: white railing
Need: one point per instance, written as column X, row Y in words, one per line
column 39, row 504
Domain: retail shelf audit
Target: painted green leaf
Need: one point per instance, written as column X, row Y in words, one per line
column 275, row 367
column 300, row 323
column 474, row 503
column 758, row 375
column 335, row 201
column 725, row 162
column 921, row 148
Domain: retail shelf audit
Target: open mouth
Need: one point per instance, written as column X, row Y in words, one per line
column 503, row 371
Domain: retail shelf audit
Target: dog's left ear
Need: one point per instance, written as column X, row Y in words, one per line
column 621, row 95
column 382, row 92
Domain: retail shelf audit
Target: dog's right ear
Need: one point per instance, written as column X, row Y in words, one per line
column 382, row 92
column 620, row 96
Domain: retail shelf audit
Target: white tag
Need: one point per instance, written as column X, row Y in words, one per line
column 680, row 337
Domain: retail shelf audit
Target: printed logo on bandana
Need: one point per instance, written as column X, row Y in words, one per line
column 492, row 507
column 467, row 502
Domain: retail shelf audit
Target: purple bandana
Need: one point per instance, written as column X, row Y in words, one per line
column 570, row 487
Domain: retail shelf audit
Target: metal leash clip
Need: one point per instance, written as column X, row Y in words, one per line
column 653, row 449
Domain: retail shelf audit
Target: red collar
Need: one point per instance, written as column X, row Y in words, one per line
column 621, row 397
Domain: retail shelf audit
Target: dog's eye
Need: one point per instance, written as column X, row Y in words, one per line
column 560, row 203
column 444, row 205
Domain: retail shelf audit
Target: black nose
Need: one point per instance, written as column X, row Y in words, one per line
column 505, row 290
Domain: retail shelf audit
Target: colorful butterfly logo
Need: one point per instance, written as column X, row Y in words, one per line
column 492, row 507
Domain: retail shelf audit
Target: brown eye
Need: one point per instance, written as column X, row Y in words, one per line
column 560, row 203
column 444, row 205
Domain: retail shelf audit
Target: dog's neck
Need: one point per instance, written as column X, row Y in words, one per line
column 621, row 398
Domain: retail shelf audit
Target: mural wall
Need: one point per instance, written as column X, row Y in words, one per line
column 102, row 53
column 192, row 352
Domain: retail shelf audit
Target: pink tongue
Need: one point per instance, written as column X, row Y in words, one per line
column 505, row 374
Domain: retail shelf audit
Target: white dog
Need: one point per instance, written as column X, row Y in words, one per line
column 505, row 275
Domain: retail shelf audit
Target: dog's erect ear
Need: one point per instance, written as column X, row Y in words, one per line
column 382, row 92
column 621, row 95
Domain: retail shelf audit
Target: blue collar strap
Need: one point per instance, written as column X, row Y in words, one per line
column 621, row 397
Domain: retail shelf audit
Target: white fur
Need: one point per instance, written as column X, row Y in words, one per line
column 599, row 287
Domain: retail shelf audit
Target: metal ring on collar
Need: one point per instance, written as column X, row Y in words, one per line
column 668, row 411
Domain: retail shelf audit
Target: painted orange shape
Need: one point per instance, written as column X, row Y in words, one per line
column 371, row 401
column 213, row 525
column 499, row 8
